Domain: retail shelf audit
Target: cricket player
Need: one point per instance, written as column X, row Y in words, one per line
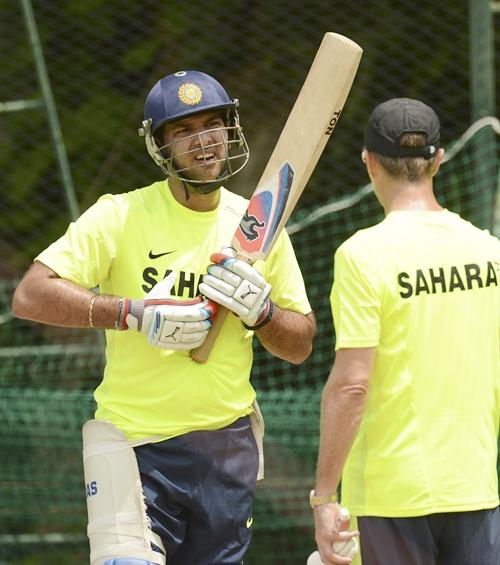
column 172, row 457
column 411, row 408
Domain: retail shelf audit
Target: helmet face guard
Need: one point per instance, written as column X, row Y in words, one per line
column 184, row 94
column 236, row 153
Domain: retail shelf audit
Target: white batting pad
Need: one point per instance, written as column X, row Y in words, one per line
column 118, row 525
column 258, row 429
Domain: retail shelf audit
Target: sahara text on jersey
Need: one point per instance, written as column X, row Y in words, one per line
column 449, row 279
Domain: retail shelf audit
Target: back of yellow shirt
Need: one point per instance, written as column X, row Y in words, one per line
column 423, row 288
column 127, row 243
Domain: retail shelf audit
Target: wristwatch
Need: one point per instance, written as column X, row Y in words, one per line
column 315, row 500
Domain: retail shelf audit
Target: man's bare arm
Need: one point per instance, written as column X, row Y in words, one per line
column 43, row 296
column 289, row 335
column 342, row 407
column 343, row 403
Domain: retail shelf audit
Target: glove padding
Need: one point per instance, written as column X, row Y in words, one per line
column 169, row 323
column 239, row 287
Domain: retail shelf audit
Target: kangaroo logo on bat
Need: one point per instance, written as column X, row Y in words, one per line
column 258, row 226
column 249, row 225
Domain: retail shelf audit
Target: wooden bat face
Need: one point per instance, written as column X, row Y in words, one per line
column 307, row 130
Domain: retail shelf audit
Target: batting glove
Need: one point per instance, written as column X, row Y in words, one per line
column 169, row 323
column 240, row 288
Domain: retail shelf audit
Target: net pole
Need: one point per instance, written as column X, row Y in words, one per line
column 482, row 90
column 50, row 106
column 55, row 126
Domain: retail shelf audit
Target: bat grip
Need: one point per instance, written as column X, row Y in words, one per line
column 201, row 354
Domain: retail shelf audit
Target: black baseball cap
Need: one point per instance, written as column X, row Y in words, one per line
column 392, row 118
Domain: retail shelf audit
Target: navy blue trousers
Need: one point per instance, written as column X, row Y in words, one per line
column 451, row 538
column 199, row 490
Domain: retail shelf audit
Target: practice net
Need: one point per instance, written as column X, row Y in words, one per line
column 47, row 376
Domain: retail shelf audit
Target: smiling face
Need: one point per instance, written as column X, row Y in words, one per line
column 197, row 146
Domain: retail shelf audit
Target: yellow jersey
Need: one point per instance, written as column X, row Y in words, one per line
column 125, row 244
column 423, row 289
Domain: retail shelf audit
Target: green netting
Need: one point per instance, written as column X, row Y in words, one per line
column 47, row 376
column 102, row 56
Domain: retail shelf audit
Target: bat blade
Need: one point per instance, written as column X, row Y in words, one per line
column 307, row 130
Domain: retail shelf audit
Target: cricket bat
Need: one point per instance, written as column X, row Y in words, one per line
column 307, row 129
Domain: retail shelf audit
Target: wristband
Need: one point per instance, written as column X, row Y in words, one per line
column 120, row 308
column 121, row 320
column 265, row 320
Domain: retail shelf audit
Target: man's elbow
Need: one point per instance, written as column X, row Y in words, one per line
column 357, row 391
column 20, row 303
column 299, row 355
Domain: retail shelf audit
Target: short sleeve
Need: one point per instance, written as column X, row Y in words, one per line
column 355, row 302
column 84, row 254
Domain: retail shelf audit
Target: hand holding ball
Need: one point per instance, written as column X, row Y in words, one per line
column 343, row 548
column 347, row 548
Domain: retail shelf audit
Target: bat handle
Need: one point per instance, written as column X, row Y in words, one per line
column 201, row 354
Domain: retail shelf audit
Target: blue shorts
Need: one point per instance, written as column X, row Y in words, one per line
column 199, row 490
column 451, row 538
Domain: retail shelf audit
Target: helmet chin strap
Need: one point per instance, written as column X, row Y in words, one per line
column 205, row 188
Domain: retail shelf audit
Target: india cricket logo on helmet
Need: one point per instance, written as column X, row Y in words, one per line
column 190, row 94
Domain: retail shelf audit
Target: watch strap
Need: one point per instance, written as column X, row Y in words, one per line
column 316, row 500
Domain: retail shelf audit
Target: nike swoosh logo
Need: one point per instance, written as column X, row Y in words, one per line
column 157, row 255
column 249, row 521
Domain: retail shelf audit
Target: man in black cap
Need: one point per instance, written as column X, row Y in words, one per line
column 411, row 409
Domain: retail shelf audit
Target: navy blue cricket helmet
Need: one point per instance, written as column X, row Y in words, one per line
column 183, row 94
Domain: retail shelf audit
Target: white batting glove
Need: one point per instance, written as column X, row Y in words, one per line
column 169, row 323
column 236, row 285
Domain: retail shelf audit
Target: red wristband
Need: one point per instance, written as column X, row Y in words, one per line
column 121, row 322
